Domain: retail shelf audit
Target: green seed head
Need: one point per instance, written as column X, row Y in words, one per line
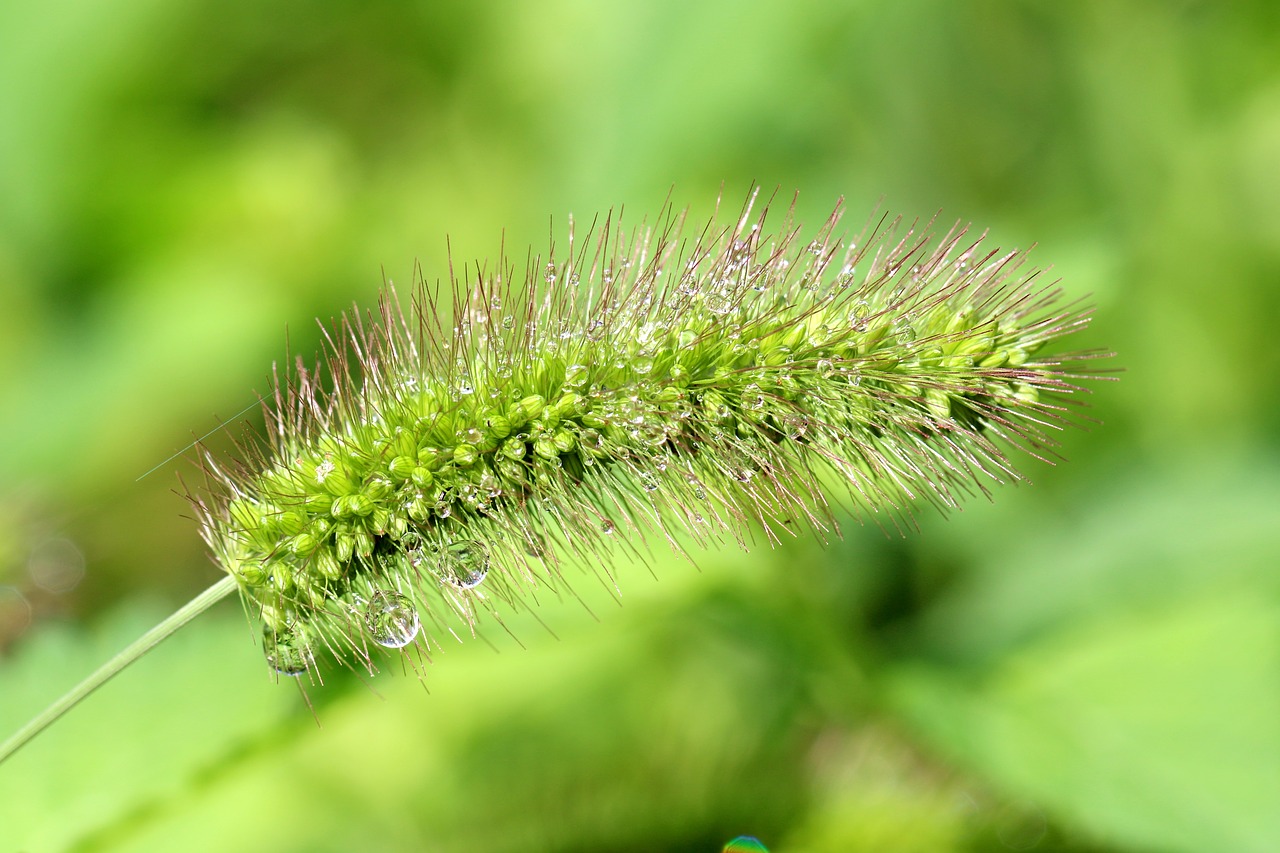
column 689, row 385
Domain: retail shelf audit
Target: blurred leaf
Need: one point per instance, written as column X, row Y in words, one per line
column 1158, row 730
column 127, row 749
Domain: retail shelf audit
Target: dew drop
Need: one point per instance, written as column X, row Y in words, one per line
column 391, row 619
column 607, row 526
column 465, row 563
column 826, row 367
column 642, row 365
column 796, row 426
column 286, row 650
column 718, row 303
column 904, row 331
column 575, row 376
column 508, row 322
column 648, row 481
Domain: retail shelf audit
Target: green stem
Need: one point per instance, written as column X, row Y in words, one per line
column 113, row 667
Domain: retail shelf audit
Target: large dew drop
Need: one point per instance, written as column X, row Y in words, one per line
column 464, row 563
column 286, row 650
column 391, row 619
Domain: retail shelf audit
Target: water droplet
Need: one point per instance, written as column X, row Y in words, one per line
column 286, row 650
column 796, row 426
column 904, row 331
column 391, row 620
column 508, row 322
column 718, row 303
column 465, row 386
column 575, row 376
column 642, row 365
column 826, row 367
column 465, row 563
column 648, row 481
column 607, row 526
column 590, row 439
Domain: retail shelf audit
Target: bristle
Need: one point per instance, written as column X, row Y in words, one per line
column 430, row 471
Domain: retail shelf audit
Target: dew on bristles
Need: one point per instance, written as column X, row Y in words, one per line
column 467, row 444
column 391, row 620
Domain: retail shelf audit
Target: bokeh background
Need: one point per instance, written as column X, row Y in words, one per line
column 1091, row 663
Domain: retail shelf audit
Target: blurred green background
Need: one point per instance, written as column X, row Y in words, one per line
column 1089, row 664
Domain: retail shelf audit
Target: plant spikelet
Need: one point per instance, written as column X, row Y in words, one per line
column 451, row 457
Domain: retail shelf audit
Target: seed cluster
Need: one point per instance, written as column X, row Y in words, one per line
column 463, row 454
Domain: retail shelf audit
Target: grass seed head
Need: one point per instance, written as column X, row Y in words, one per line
column 451, row 455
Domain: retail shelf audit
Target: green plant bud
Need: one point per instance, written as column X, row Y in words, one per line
column 280, row 576
column 498, row 426
column 532, row 406
column 244, row 515
column 430, row 458
column 303, row 544
column 326, row 563
column 335, row 480
column 318, row 503
column 569, row 405
column 939, row 403
column 363, row 542
column 341, row 508
column 359, row 505
column 402, row 467
column 377, row 489
column 344, row 544
column 419, row 509
column 563, row 440
column 513, row 473
column 465, row 455
column 250, row 572
column 545, row 447
column 422, row 478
